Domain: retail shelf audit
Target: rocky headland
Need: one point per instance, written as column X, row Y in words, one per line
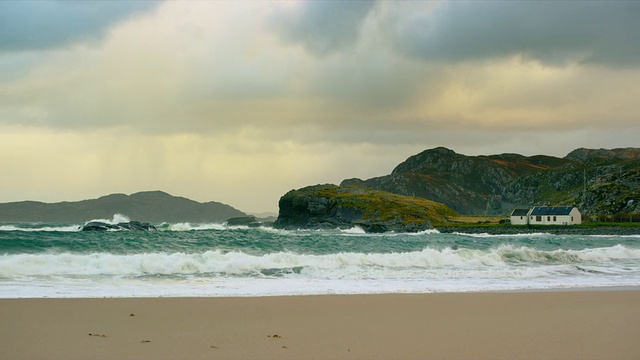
column 597, row 181
column 330, row 206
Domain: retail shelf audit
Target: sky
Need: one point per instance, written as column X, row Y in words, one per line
column 242, row 101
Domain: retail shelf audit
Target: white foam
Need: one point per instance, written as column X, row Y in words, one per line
column 194, row 227
column 117, row 218
column 615, row 236
column 425, row 232
column 228, row 287
column 354, row 230
column 360, row 264
column 487, row 235
column 69, row 228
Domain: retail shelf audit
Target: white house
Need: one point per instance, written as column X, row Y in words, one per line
column 546, row 215
column 520, row 216
column 565, row 215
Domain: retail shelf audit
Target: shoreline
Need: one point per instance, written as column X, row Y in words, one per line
column 616, row 288
column 496, row 325
column 537, row 229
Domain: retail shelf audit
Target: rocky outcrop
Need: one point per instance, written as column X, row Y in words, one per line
column 130, row 225
column 467, row 184
column 331, row 206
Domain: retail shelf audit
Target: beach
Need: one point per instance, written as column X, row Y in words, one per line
column 219, row 292
column 509, row 325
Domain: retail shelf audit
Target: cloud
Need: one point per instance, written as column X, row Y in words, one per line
column 322, row 27
column 201, row 72
column 39, row 25
column 220, row 67
column 558, row 32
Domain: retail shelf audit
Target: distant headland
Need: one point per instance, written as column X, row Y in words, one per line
column 148, row 206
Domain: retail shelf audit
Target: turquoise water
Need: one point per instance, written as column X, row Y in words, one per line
column 58, row 260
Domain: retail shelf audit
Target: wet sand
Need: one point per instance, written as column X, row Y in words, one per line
column 533, row 325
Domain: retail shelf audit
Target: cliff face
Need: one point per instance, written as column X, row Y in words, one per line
column 467, row 184
column 149, row 206
column 495, row 184
column 331, row 206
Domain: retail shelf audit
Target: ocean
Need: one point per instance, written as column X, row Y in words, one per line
column 197, row 260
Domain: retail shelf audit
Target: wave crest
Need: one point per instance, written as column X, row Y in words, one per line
column 238, row 263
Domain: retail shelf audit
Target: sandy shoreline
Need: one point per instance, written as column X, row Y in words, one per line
column 534, row 325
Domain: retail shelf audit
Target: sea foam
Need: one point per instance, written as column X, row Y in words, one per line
column 239, row 263
column 33, row 228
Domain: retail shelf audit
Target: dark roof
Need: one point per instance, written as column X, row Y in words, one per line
column 520, row 212
column 558, row 210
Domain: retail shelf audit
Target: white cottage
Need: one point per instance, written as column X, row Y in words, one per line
column 520, row 216
column 546, row 215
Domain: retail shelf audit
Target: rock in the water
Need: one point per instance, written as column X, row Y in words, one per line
column 241, row 221
column 131, row 225
column 331, row 206
column 250, row 221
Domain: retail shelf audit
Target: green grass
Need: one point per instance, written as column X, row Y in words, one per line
column 383, row 206
column 471, row 225
column 610, row 224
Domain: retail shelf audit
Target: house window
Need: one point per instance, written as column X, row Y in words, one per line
column 548, row 218
column 572, row 218
column 555, row 219
column 521, row 217
column 538, row 218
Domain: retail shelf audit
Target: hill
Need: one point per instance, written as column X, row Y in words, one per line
column 597, row 186
column 331, row 206
column 495, row 184
column 149, row 206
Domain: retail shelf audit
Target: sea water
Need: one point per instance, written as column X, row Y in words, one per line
column 60, row 261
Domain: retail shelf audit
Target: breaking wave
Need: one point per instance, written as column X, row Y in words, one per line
column 487, row 235
column 39, row 227
column 361, row 264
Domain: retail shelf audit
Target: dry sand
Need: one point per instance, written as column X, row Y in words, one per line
column 537, row 325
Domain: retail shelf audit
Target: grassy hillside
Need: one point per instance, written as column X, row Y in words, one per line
column 331, row 206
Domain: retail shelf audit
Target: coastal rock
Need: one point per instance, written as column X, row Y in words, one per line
column 330, row 206
column 131, row 225
column 241, row 221
column 250, row 221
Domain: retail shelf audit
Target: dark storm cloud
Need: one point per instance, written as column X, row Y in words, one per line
column 554, row 32
column 323, row 26
column 34, row 25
